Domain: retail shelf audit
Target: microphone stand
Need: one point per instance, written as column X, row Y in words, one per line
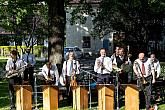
column 117, row 91
column 90, row 97
column 35, row 91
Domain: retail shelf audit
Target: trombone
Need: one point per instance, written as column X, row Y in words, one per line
column 143, row 78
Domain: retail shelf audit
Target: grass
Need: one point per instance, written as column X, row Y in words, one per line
column 4, row 96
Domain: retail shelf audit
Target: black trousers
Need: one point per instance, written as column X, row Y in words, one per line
column 13, row 81
column 28, row 76
column 123, row 78
column 69, row 89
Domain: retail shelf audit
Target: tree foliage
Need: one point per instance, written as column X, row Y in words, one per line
column 141, row 20
column 24, row 19
column 27, row 18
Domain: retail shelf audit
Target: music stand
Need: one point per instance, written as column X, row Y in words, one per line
column 105, row 96
column 89, row 86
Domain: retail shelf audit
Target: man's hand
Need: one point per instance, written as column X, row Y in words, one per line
column 153, row 81
column 126, row 62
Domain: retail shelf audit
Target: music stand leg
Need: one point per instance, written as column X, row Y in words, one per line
column 35, row 92
column 117, row 92
column 89, row 94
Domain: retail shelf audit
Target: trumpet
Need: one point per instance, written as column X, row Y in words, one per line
column 144, row 80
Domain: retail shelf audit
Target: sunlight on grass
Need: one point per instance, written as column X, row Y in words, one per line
column 5, row 108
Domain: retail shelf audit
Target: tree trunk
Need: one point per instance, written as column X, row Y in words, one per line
column 56, row 22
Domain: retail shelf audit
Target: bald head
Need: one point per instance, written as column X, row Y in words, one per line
column 141, row 56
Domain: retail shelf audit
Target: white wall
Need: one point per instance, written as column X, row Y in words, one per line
column 75, row 33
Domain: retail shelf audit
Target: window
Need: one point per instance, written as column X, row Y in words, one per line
column 86, row 42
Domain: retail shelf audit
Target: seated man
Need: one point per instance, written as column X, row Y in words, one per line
column 50, row 73
column 14, row 69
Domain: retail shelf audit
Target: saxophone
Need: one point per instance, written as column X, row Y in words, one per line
column 16, row 72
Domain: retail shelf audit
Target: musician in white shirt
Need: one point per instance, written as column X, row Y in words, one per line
column 71, row 67
column 103, row 66
column 50, row 73
column 157, row 70
column 156, row 64
column 144, row 71
column 115, row 55
column 14, row 65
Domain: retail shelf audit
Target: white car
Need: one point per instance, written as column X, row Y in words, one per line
column 76, row 50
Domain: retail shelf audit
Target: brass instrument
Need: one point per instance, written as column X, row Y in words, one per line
column 17, row 72
column 143, row 80
column 73, row 82
column 115, row 68
column 49, row 79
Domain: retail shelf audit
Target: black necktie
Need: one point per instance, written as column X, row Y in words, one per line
column 48, row 72
column 14, row 65
column 27, row 58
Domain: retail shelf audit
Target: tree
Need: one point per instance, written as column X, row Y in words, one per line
column 25, row 20
column 137, row 18
column 56, row 22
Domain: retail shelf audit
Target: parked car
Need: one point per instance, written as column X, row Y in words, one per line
column 76, row 50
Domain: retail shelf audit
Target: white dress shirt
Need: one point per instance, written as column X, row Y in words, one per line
column 53, row 72
column 157, row 66
column 107, row 64
column 67, row 66
column 20, row 65
column 31, row 58
column 148, row 67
